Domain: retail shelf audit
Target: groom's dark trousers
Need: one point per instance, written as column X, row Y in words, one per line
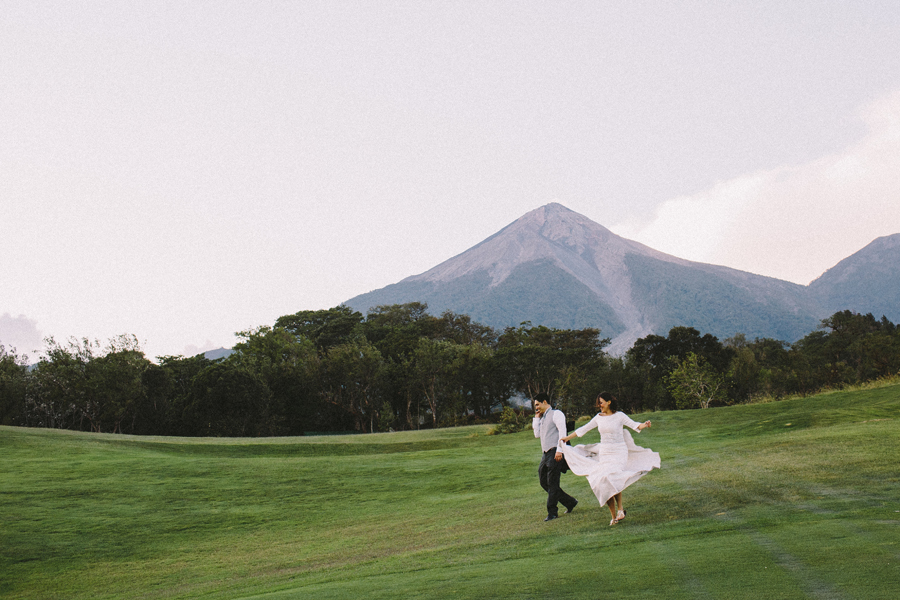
column 549, row 473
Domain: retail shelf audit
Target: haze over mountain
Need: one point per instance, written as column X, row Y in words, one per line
column 558, row 268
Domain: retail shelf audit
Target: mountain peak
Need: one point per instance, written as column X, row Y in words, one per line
column 555, row 214
column 551, row 232
column 556, row 267
column 550, row 212
column 555, row 222
column 551, row 243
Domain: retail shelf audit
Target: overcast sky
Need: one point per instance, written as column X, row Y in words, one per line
column 181, row 171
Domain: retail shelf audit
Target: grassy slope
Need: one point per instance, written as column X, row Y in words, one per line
column 795, row 499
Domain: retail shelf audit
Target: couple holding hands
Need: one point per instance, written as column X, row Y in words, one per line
column 610, row 466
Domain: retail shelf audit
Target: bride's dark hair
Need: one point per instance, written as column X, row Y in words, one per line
column 609, row 398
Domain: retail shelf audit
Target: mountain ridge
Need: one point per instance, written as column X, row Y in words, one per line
column 556, row 267
column 869, row 277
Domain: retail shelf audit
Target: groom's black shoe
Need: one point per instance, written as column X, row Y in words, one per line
column 550, row 518
column 571, row 508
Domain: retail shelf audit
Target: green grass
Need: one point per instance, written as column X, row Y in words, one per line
column 792, row 499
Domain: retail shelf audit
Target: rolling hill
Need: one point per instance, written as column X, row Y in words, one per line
column 790, row 500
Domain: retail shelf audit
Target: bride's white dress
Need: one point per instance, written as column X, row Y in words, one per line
column 616, row 462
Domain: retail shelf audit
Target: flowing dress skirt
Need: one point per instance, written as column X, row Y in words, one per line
column 610, row 467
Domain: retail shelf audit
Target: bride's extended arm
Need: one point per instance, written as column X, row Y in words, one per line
column 581, row 430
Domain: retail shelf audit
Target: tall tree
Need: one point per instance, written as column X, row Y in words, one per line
column 655, row 356
column 396, row 329
column 325, row 328
column 228, row 400
column 848, row 348
column 169, row 394
column 434, row 370
column 116, row 383
column 461, row 329
column 542, row 359
column 694, row 382
column 13, row 374
column 59, row 392
column 288, row 365
column 483, row 385
column 348, row 380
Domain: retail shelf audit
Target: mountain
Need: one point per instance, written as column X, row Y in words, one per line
column 558, row 268
column 217, row 353
column 866, row 282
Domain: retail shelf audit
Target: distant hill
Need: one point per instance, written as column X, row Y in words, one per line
column 217, row 353
column 866, row 282
column 558, row 268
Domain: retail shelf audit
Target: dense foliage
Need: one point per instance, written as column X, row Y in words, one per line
column 399, row 367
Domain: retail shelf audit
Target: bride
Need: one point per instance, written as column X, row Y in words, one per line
column 614, row 463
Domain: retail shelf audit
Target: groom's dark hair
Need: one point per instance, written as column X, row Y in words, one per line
column 543, row 397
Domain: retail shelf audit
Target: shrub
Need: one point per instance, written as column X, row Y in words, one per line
column 511, row 422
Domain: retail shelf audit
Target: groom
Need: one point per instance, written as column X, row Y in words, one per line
column 550, row 425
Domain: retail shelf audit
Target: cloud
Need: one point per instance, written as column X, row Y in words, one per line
column 20, row 333
column 791, row 222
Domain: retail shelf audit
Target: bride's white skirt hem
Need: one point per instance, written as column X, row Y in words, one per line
column 610, row 468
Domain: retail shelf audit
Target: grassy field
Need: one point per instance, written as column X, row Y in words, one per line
column 792, row 499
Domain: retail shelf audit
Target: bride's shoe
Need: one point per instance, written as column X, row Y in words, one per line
column 620, row 516
column 613, row 522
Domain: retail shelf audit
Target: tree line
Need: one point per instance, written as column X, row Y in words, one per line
column 398, row 367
